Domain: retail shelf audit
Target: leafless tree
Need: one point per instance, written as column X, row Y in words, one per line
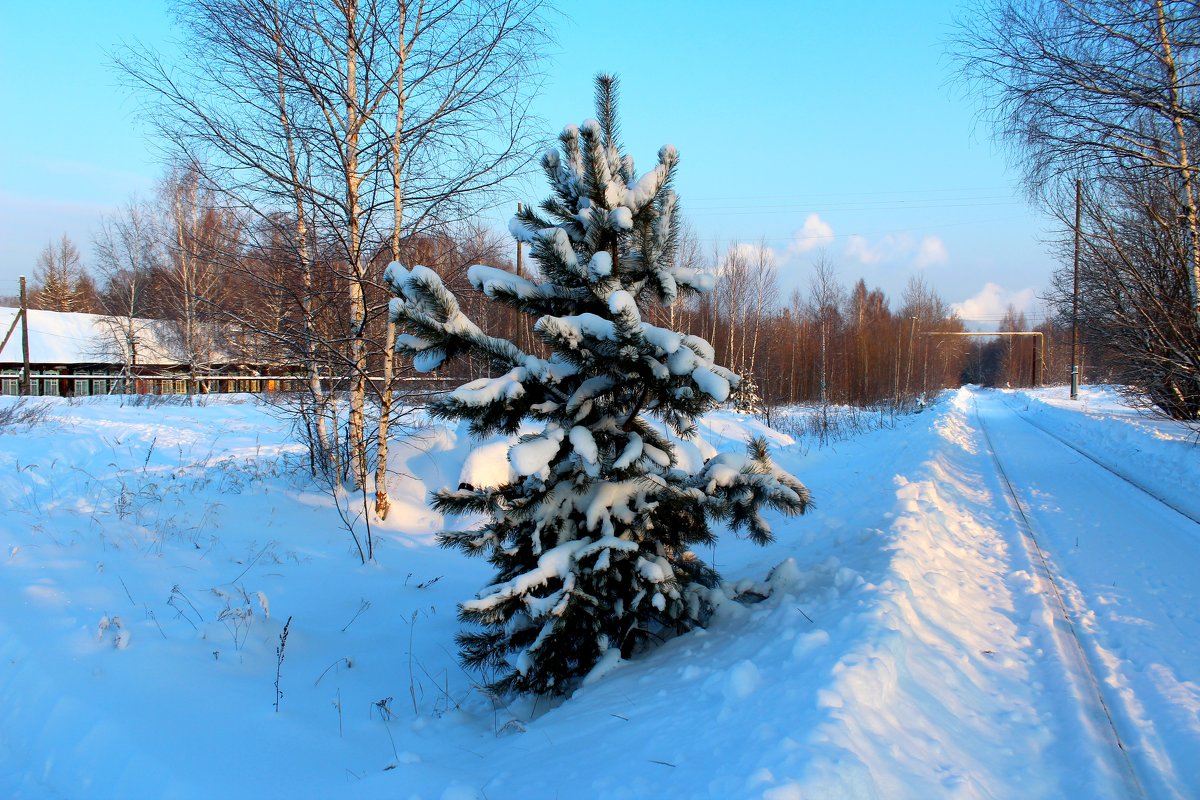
column 126, row 248
column 689, row 254
column 764, row 286
column 1105, row 91
column 826, row 297
column 1017, row 351
column 1134, row 291
column 933, row 316
column 1094, row 88
column 199, row 238
column 732, row 297
column 353, row 123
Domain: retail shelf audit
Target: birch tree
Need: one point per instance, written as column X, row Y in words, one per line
column 825, row 296
column 126, row 251
column 198, row 239
column 1104, row 91
column 363, row 122
column 1094, row 88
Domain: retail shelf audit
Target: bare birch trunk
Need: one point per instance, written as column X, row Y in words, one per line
column 304, row 254
column 1185, row 169
column 382, row 503
column 183, row 269
column 356, row 434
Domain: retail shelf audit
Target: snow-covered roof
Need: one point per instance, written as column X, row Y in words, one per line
column 57, row 337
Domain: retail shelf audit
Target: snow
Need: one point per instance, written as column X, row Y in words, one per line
column 664, row 339
column 630, row 454
column 554, row 563
column 701, row 279
column 487, row 465
column 621, row 303
column 533, row 455
column 589, row 389
column 621, row 218
column 584, row 445
column 639, row 195
column 517, row 229
column 712, row 384
column 57, row 337
column 600, row 265
column 909, row 644
column 560, row 244
column 489, row 279
column 578, row 326
column 608, row 662
column 608, row 499
column 483, row 391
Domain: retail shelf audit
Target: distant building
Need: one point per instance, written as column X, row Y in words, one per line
column 76, row 355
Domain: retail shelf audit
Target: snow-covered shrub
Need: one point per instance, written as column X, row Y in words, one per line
column 594, row 538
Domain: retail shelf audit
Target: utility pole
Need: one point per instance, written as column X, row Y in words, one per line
column 1075, row 297
column 1035, row 369
column 24, row 340
column 908, row 376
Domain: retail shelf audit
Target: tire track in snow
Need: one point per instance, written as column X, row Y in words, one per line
column 1075, row 645
column 1134, row 483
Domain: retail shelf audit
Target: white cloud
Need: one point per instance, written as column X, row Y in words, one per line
column 860, row 250
column 889, row 248
column 815, row 233
column 754, row 253
column 931, row 251
column 992, row 301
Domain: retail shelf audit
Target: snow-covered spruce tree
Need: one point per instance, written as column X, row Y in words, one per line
column 593, row 541
column 745, row 396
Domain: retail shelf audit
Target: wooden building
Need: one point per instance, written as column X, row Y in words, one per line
column 76, row 355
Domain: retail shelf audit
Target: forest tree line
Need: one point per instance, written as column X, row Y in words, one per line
column 188, row 260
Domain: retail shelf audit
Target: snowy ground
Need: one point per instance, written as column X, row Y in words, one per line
column 930, row 632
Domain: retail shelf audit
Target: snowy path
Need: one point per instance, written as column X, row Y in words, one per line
column 1122, row 563
column 912, row 645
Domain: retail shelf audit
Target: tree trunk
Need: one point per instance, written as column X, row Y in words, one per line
column 304, row 255
column 1185, row 169
column 824, row 387
column 382, row 503
column 356, row 293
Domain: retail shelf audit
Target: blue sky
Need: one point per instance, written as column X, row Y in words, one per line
column 803, row 126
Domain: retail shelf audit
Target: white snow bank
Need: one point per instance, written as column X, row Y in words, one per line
column 901, row 650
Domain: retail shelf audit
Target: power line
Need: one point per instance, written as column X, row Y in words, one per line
column 934, row 226
column 900, row 205
column 863, row 193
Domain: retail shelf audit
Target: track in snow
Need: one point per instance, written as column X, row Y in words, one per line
column 1106, row 466
column 1088, row 528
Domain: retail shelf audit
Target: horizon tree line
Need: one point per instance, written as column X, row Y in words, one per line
column 185, row 260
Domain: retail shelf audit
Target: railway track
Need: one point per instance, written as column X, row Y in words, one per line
column 1105, row 466
column 1073, row 642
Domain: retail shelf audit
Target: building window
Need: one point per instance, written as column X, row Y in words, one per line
column 49, row 387
column 81, row 387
